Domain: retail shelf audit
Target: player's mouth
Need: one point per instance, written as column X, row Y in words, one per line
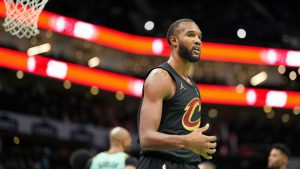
column 196, row 50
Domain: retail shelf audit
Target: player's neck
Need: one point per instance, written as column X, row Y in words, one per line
column 182, row 67
column 283, row 167
column 115, row 149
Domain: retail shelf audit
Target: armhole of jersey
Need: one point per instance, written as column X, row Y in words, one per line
column 198, row 89
column 173, row 80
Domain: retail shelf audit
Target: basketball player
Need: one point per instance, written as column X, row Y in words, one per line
column 278, row 157
column 170, row 112
column 115, row 157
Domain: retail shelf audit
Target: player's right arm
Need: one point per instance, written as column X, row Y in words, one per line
column 158, row 87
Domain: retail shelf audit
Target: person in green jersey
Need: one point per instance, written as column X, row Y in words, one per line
column 115, row 158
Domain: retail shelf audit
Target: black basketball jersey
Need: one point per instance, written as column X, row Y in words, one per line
column 180, row 116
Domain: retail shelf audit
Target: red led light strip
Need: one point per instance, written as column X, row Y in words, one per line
column 158, row 46
column 213, row 94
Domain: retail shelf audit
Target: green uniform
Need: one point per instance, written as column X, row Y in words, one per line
column 107, row 160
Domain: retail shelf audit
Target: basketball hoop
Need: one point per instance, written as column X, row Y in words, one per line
column 22, row 16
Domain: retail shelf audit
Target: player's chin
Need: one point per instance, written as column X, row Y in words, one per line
column 196, row 57
column 270, row 165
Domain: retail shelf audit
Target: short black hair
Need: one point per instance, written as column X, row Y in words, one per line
column 174, row 27
column 283, row 148
column 80, row 158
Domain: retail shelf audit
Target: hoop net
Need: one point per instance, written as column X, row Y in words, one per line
column 22, row 17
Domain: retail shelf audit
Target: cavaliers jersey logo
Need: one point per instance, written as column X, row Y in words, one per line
column 190, row 109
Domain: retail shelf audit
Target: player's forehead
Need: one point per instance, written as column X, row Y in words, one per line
column 186, row 27
column 275, row 151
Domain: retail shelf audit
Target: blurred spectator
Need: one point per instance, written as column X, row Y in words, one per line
column 279, row 156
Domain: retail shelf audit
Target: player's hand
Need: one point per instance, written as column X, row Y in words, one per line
column 202, row 144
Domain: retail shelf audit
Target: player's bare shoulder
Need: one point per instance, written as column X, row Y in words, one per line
column 159, row 80
column 159, row 74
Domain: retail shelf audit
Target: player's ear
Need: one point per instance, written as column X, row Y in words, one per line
column 174, row 41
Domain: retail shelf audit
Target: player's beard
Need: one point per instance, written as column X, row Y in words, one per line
column 273, row 166
column 187, row 54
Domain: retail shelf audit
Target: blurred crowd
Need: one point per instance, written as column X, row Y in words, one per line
column 244, row 135
column 67, row 106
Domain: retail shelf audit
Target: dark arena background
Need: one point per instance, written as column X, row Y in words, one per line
column 66, row 87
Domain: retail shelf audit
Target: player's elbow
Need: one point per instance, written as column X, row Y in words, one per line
column 145, row 141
